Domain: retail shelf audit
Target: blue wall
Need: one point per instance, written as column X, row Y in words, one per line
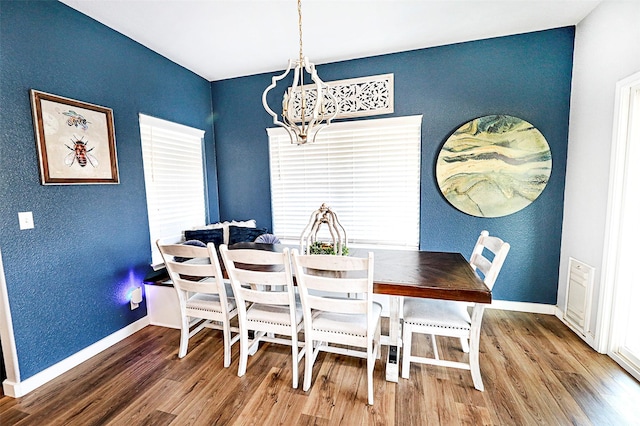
column 528, row 76
column 68, row 277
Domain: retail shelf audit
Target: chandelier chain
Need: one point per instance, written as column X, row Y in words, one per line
column 300, row 27
column 303, row 103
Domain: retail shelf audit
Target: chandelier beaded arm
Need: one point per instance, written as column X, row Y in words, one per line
column 311, row 121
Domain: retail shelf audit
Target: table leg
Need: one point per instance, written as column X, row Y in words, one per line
column 393, row 358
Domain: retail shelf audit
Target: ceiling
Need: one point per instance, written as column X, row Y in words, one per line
column 219, row 39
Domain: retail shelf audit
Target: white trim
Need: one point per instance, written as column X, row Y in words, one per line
column 6, row 331
column 149, row 120
column 533, row 308
column 629, row 366
column 614, row 206
column 17, row 389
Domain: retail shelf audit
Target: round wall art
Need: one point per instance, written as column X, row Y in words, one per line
column 493, row 166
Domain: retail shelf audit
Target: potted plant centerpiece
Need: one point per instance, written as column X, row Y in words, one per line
column 309, row 243
column 318, row 247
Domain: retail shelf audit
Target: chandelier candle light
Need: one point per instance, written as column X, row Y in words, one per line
column 302, row 116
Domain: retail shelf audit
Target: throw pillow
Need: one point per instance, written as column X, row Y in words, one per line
column 241, row 234
column 268, row 239
column 214, row 236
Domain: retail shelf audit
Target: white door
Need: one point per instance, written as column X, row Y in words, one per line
column 624, row 344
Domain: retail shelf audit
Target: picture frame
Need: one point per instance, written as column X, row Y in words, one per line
column 75, row 140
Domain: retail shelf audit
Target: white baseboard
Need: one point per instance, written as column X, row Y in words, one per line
column 533, row 308
column 21, row 388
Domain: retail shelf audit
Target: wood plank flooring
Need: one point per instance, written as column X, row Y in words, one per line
column 535, row 371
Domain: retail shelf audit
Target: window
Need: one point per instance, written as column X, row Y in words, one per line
column 367, row 171
column 174, row 179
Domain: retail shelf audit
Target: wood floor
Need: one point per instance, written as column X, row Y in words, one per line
column 535, row 371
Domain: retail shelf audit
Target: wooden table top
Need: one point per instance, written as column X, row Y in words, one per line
column 435, row 275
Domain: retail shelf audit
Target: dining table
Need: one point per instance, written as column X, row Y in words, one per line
column 412, row 273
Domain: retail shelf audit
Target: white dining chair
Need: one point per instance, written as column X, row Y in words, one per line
column 451, row 318
column 202, row 294
column 332, row 315
column 262, row 282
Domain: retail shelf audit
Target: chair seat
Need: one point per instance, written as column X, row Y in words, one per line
column 350, row 324
column 209, row 302
column 436, row 313
column 272, row 314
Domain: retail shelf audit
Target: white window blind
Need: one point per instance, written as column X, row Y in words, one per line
column 367, row 171
column 174, row 179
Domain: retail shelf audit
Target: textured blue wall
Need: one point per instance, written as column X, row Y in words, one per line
column 528, row 76
column 68, row 278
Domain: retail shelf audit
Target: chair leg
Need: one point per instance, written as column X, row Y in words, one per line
column 465, row 344
column 406, row 349
column 244, row 352
column 226, row 339
column 434, row 344
column 184, row 337
column 377, row 342
column 294, row 360
column 474, row 346
column 309, row 358
column 371, row 362
column 474, row 363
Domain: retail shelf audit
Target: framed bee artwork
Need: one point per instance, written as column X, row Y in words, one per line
column 75, row 140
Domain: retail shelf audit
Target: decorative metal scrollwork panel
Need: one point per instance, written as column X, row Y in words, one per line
column 356, row 97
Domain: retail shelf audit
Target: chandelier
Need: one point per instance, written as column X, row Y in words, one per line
column 304, row 110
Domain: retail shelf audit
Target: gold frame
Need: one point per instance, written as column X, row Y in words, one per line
column 75, row 141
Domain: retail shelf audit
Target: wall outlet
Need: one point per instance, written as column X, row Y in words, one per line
column 26, row 220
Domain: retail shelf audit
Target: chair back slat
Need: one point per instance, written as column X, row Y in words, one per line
column 267, row 296
column 334, row 263
column 342, row 306
column 256, row 274
column 489, row 268
column 335, row 284
column 246, row 276
column 206, row 285
column 256, row 257
column 482, row 264
column 199, row 271
column 193, row 269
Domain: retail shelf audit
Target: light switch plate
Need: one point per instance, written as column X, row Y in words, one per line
column 26, row 220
